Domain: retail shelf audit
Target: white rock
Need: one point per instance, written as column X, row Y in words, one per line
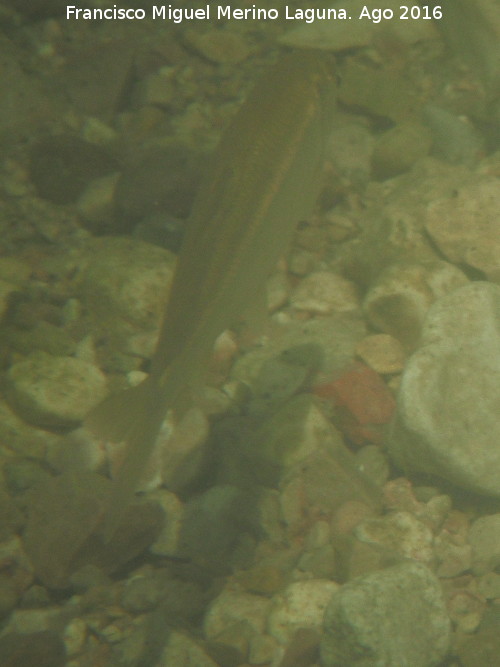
column 447, row 416
column 398, row 533
column 301, row 605
column 394, row 616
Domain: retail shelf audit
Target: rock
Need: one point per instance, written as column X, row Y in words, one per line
column 484, row 538
column 17, row 578
column 54, row 392
column 219, row 45
column 363, row 401
column 301, row 605
column 61, row 167
column 324, row 292
column 455, row 138
column 43, row 649
column 379, row 92
column 382, row 352
column 26, row 105
column 96, row 203
column 298, row 450
column 339, row 35
column 24, row 440
column 6, row 291
column 231, row 607
column 62, row 532
column 395, row 616
column 399, row 148
column 262, row 650
column 489, row 585
column 158, row 180
column 182, row 651
column 398, row 301
column 400, row 534
column 215, row 528
column 373, row 463
column 276, row 370
column 96, row 74
column 447, row 416
column 124, row 285
column 464, row 226
column 482, row 647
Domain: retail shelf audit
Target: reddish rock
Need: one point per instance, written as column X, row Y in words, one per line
column 364, row 402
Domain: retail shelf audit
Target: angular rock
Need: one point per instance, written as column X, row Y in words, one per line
column 447, row 417
column 395, row 616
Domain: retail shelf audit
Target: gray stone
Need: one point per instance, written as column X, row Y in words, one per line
column 447, row 416
column 395, row 616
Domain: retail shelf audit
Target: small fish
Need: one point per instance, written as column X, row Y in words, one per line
column 265, row 177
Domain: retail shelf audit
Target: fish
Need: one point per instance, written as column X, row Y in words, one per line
column 265, row 177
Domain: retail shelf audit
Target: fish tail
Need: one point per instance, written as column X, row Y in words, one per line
column 133, row 417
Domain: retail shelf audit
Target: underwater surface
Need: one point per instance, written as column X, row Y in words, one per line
column 250, row 334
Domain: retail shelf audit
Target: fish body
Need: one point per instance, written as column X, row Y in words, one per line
column 265, row 177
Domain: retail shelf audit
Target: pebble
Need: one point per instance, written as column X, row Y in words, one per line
column 382, row 352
